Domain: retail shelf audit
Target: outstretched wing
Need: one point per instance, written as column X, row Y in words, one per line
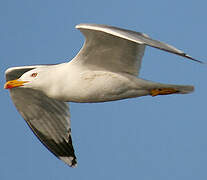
column 116, row 49
column 49, row 119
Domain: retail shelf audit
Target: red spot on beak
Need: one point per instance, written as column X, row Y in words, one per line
column 14, row 83
column 8, row 86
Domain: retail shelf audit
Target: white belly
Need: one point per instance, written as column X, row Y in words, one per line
column 99, row 86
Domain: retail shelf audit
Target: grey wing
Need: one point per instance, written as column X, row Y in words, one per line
column 117, row 49
column 104, row 50
column 49, row 119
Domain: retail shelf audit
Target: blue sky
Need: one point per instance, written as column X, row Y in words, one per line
column 160, row 138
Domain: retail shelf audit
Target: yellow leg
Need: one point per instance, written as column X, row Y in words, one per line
column 162, row 91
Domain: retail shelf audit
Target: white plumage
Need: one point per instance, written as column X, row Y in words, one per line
column 105, row 69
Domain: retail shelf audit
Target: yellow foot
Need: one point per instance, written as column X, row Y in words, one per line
column 162, row 91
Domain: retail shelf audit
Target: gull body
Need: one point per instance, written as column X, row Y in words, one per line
column 105, row 69
column 77, row 83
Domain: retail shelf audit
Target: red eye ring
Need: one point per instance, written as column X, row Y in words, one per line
column 33, row 74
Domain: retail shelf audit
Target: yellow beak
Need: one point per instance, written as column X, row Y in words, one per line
column 14, row 83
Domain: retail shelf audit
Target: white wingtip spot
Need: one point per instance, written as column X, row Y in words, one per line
column 71, row 161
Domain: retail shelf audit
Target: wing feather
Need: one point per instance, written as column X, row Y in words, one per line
column 117, row 49
column 49, row 119
column 104, row 50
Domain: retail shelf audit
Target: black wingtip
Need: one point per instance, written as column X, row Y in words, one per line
column 196, row 60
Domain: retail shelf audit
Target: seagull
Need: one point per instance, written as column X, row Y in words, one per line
column 105, row 69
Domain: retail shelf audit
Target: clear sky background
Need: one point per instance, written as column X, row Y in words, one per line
column 159, row 138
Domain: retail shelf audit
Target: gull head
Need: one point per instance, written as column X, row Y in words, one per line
column 30, row 79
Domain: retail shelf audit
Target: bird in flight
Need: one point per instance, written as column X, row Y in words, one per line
column 105, row 69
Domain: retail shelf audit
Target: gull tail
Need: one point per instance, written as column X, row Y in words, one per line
column 173, row 89
column 165, row 89
column 155, row 89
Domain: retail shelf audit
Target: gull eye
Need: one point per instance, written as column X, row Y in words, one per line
column 33, row 75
